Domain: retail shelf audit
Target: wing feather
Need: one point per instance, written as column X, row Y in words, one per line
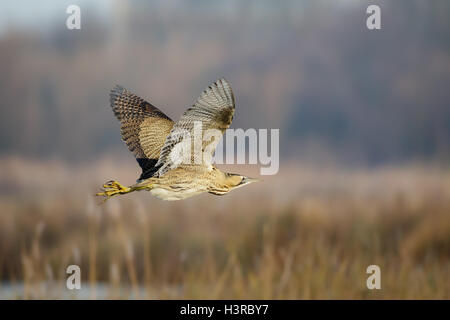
column 143, row 127
column 214, row 109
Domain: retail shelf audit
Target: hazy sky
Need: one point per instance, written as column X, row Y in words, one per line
column 42, row 14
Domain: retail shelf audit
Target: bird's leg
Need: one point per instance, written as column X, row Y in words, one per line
column 111, row 188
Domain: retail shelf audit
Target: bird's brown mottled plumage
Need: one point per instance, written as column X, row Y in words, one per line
column 144, row 127
column 214, row 109
column 153, row 138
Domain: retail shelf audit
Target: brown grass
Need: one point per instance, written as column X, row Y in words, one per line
column 309, row 234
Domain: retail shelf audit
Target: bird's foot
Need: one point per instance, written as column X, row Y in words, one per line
column 111, row 188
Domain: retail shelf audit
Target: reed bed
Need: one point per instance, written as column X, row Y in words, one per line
column 307, row 233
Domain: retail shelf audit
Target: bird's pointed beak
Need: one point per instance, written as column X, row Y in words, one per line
column 248, row 180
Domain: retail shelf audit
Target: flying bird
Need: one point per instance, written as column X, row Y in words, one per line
column 156, row 141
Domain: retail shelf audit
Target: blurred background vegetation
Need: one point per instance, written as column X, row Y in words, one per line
column 364, row 122
column 311, row 68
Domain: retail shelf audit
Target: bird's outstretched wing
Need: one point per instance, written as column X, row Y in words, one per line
column 144, row 128
column 214, row 109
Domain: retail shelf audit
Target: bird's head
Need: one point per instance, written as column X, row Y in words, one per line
column 234, row 181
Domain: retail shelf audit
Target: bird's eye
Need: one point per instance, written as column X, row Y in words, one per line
column 231, row 174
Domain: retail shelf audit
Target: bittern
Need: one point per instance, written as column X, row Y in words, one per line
column 156, row 141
